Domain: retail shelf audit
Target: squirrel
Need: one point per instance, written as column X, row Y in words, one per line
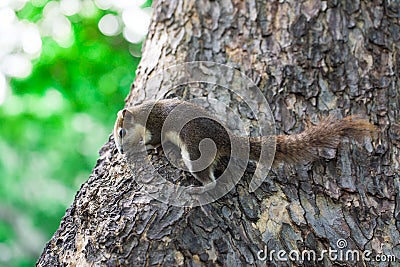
column 142, row 125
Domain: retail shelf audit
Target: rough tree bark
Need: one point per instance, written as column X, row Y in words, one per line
column 309, row 58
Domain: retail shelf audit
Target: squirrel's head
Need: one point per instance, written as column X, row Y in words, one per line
column 129, row 133
column 119, row 131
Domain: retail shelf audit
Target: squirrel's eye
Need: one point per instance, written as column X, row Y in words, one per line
column 122, row 132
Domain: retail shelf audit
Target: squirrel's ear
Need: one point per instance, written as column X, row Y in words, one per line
column 122, row 112
column 126, row 113
column 128, row 117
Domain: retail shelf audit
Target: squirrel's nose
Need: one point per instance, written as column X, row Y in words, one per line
column 120, row 150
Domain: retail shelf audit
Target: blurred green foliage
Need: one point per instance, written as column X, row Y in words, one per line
column 53, row 124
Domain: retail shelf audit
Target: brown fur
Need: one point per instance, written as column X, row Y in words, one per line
column 295, row 148
column 327, row 134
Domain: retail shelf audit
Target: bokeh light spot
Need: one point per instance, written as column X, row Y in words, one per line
column 7, row 16
column 123, row 4
column 31, row 41
column 70, row 7
column 103, row 4
column 16, row 65
column 88, row 9
column 136, row 20
column 17, row 4
column 3, row 88
column 83, row 123
column 38, row 3
column 109, row 25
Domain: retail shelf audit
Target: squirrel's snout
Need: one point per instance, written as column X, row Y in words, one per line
column 120, row 149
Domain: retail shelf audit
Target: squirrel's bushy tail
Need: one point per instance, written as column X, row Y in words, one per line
column 327, row 134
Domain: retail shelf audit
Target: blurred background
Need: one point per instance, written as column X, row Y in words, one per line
column 65, row 68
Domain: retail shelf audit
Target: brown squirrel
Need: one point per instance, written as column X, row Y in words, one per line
column 142, row 124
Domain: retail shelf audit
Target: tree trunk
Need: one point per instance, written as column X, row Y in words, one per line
column 309, row 58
